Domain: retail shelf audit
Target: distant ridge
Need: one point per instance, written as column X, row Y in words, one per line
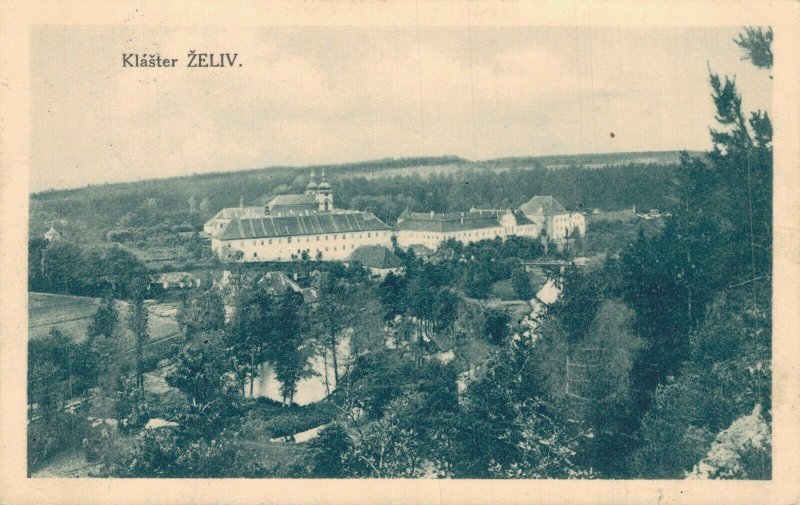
column 388, row 164
column 340, row 168
column 595, row 159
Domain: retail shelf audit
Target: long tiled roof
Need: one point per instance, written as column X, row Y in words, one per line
column 311, row 224
column 301, row 199
column 448, row 222
column 375, row 256
column 237, row 212
column 518, row 215
column 542, row 205
column 453, row 221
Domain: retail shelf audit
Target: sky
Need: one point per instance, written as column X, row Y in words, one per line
column 314, row 95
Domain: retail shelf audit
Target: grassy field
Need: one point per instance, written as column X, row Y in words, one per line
column 610, row 232
column 504, row 290
column 500, row 165
column 422, row 171
column 73, row 314
column 70, row 314
column 595, row 160
column 615, row 215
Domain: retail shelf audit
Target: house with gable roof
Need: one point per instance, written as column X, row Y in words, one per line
column 554, row 219
column 378, row 259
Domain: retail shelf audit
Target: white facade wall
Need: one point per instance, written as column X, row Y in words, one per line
column 528, row 230
column 579, row 221
column 433, row 239
column 333, row 246
column 560, row 226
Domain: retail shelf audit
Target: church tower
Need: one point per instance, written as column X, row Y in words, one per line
column 324, row 194
column 311, row 189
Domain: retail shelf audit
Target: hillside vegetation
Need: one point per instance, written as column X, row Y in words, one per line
column 385, row 187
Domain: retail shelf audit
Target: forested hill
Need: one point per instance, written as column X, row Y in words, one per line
column 385, row 187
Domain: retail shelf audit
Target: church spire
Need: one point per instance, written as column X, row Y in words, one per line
column 312, row 184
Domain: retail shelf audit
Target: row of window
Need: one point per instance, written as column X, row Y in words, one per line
column 344, row 236
column 300, row 251
column 455, row 235
column 508, row 230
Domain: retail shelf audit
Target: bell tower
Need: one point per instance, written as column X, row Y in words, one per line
column 324, row 194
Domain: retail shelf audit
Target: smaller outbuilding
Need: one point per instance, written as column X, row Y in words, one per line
column 279, row 284
column 421, row 251
column 52, row 235
column 378, row 259
column 177, row 280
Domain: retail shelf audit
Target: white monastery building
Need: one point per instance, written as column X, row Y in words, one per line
column 541, row 216
column 215, row 225
column 554, row 220
column 291, row 226
column 432, row 229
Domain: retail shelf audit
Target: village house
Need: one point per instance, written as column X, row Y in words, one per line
column 378, row 259
column 177, row 280
column 52, row 235
column 422, row 252
column 279, row 284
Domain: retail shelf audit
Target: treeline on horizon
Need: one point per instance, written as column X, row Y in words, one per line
column 94, row 210
column 610, row 188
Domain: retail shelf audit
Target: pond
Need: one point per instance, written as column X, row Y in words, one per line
column 309, row 390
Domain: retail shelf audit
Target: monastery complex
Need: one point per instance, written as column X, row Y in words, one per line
column 291, row 227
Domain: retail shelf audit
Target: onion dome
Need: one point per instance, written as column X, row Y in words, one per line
column 323, row 184
column 312, row 185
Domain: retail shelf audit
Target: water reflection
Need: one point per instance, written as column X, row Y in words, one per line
column 309, row 390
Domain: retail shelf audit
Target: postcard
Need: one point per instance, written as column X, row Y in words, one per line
column 400, row 252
